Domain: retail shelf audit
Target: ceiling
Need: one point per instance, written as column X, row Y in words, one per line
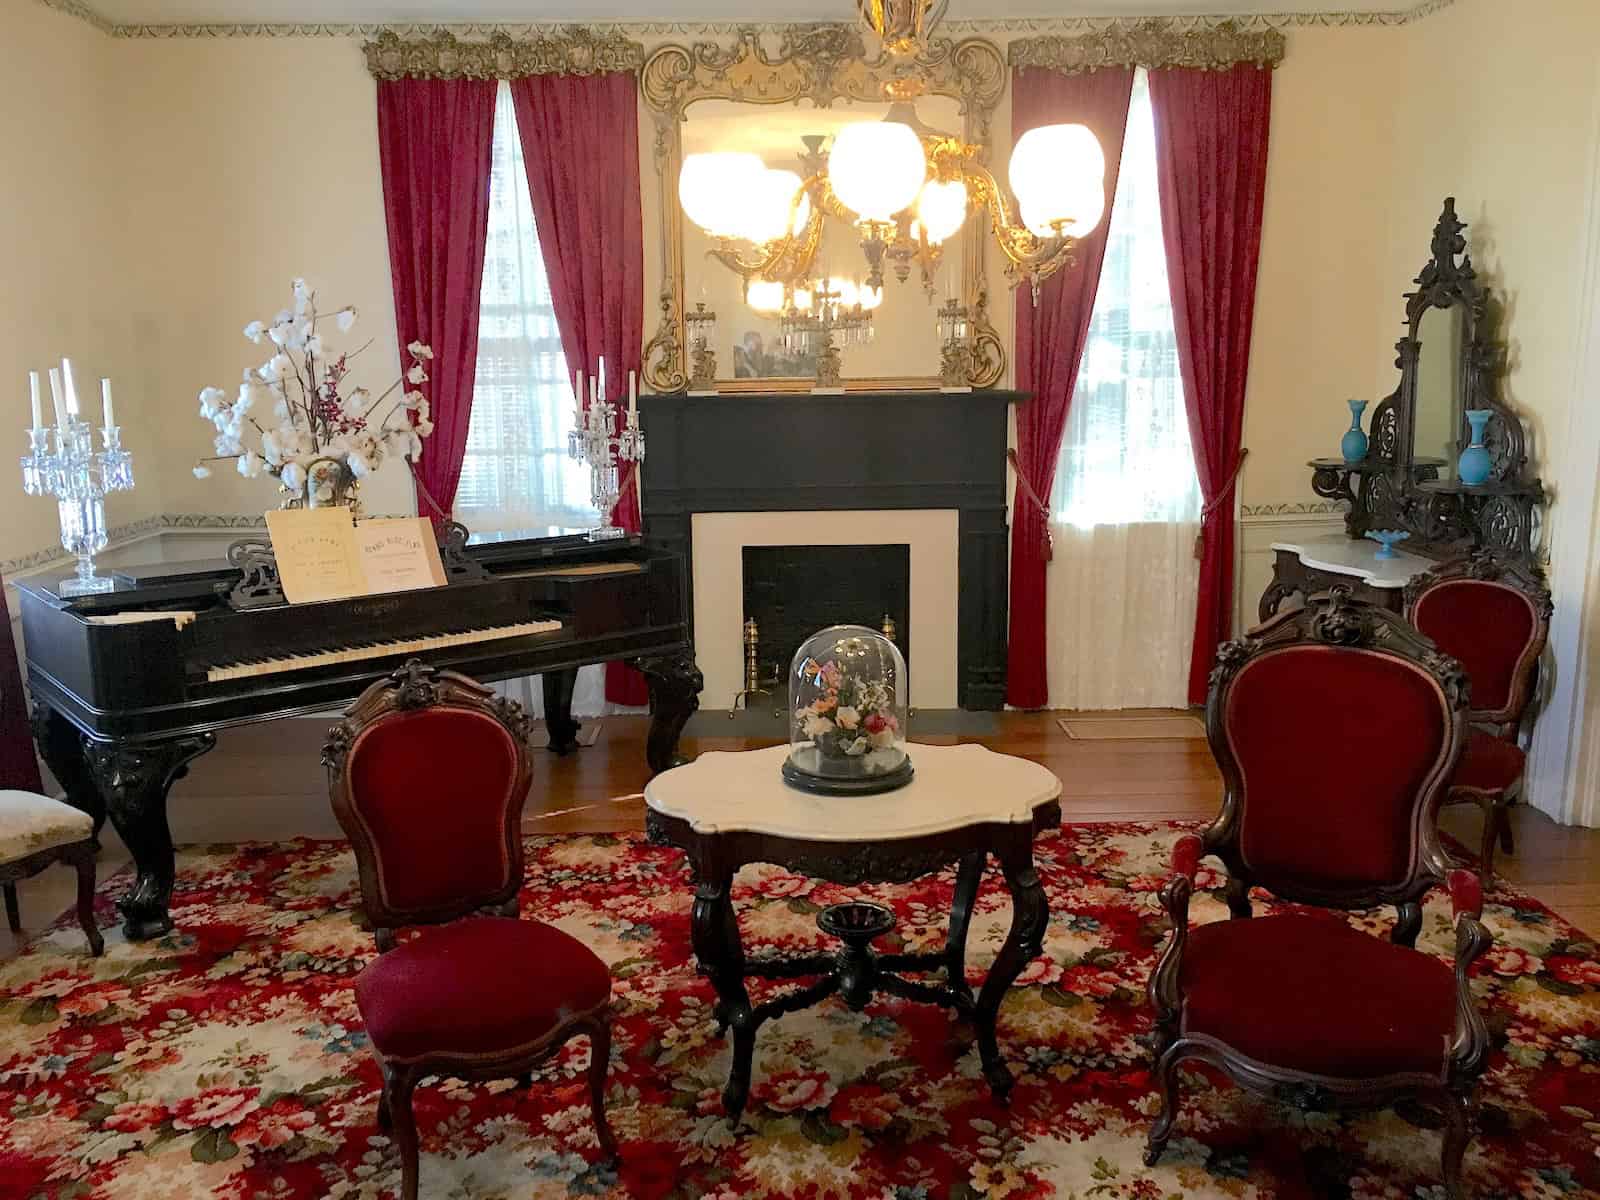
column 136, row 12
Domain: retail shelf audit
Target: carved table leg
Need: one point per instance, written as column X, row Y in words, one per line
column 675, row 686
column 715, row 932
column 134, row 779
column 968, row 876
column 61, row 746
column 1030, row 913
column 563, row 730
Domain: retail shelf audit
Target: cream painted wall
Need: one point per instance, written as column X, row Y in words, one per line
column 245, row 162
column 64, row 291
column 1514, row 140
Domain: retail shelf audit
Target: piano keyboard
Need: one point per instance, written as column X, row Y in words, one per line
column 344, row 654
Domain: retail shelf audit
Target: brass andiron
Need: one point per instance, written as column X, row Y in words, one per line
column 752, row 670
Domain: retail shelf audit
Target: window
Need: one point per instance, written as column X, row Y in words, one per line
column 1126, row 457
column 517, row 475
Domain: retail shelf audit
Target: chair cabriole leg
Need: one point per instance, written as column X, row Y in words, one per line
column 1457, row 1133
column 599, row 1065
column 1166, row 1077
column 398, row 1085
column 84, row 865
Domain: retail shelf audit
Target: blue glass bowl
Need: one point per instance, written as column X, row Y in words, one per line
column 1386, row 539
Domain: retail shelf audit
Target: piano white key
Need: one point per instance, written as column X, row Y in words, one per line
column 321, row 658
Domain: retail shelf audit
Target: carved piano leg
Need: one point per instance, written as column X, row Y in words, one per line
column 61, row 746
column 675, row 686
column 134, row 779
column 563, row 730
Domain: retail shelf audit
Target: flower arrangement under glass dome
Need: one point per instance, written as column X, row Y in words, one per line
column 847, row 700
column 323, row 435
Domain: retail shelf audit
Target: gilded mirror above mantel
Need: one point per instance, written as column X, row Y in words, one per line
column 826, row 77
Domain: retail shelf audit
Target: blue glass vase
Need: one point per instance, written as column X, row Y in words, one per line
column 1354, row 443
column 1474, row 465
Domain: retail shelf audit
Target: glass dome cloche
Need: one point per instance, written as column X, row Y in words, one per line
column 847, row 714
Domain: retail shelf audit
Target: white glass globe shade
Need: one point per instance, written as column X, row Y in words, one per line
column 942, row 208
column 715, row 189
column 1079, row 208
column 767, row 207
column 801, row 300
column 876, row 168
column 764, row 295
column 845, row 290
column 1053, row 170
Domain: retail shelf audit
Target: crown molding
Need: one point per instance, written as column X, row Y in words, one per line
column 1017, row 26
column 574, row 50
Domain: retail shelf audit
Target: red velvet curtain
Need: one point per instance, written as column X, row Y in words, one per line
column 580, row 140
column 19, row 769
column 435, row 139
column 1050, row 338
column 1211, row 161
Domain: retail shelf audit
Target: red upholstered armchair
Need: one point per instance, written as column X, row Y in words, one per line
column 1326, row 807
column 1493, row 616
column 428, row 773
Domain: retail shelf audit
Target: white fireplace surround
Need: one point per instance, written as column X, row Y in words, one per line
column 719, row 540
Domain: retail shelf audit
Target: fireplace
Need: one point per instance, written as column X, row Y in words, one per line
column 924, row 470
column 790, row 592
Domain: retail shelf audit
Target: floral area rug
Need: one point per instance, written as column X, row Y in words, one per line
column 228, row 1059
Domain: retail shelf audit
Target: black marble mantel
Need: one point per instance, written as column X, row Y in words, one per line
column 798, row 452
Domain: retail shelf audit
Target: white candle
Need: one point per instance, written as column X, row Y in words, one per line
column 33, row 395
column 70, row 386
column 105, row 403
column 602, row 378
column 579, row 390
column 55, row 397
column 633, row 394
column 594, row 390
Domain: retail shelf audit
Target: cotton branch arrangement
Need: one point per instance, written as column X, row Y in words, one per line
column 322, row 433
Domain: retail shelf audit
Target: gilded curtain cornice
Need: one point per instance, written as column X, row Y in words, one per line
column 571, row 50
column 1151, row 43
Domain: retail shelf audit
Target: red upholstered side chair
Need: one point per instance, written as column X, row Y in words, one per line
column 1329, row 807
column 1493, row 616
column 428, row 773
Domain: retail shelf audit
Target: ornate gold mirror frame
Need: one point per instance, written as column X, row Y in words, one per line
column 822, row 63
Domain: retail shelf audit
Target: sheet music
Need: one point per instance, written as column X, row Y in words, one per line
column 399, row 554
column 316, row 553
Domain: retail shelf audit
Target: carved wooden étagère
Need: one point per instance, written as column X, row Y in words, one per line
column 1398, row 487
column 822, row 64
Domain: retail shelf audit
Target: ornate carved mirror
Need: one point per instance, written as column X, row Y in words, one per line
column 1448, row 367
column 767, row 94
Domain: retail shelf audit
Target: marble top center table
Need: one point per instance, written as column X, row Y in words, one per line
column 966, row 803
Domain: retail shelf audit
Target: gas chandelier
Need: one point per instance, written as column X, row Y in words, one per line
column 906, row 187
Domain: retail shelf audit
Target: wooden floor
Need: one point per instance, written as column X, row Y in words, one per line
column 263, row 783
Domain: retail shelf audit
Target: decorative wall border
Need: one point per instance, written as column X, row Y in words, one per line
column 692, row 29
column 1291, row 508
column 122, row 533
column 1152, row 43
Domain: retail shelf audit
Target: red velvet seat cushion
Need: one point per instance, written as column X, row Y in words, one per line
column 482, row 986
column 1310, row 993
column 1489, row 763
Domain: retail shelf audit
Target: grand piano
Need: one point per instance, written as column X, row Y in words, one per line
column 130, row 686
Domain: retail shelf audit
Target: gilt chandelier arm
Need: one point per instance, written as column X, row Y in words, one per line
column 1027, row 254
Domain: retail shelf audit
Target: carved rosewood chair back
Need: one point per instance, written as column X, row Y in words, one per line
column 1336, row 729
column 1493, row 616
column 428, row 774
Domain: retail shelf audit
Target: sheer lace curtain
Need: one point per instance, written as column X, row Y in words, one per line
column 1126, row 508
column 517, row 478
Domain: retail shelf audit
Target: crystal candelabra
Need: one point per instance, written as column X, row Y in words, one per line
column 79, row 478
column 596, row 443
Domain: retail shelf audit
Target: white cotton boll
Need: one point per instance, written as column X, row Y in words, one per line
column 355, row 404
column 415, row 401
column 300, row 442
column 293, row 476
column 211, row 401
column 314, row 345
column 277, row 368
column 280, row 410
column 302, row 297
column 226, row 445
column 295, row 336
column 345, row 319
column 255, row 331
column 272, row 448
column 416, row 374
column 202, row 472
column 249, row 464
column 420, row 350
column 424, row 427
column 279, row 335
